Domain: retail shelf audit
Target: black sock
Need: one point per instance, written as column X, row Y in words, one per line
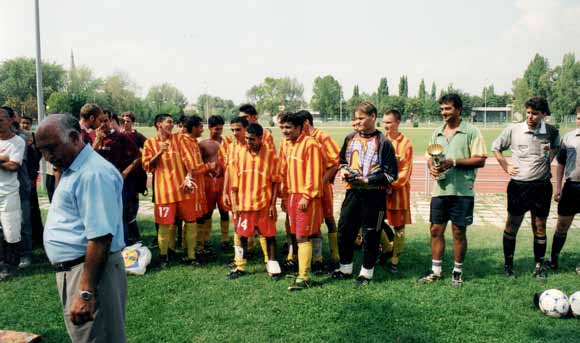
column 509, row 247
column 557, row 245
column 539, row 248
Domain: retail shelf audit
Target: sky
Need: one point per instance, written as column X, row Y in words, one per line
column 224, row 47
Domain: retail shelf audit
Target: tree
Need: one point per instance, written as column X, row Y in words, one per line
column 354, row 101
column 118, row 93
column 422, row 91
column 326, row 97
column 160, row 96
column 403, row 87
column 565, row 95
column 433, row 94
column 208, row 105
column 277, row 94
column 535, row 82
column 18, row 83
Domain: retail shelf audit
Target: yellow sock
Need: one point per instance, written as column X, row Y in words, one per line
column 316, row 249
column 387, row 245
column 333, row 245
column 190, row 237
column 171, row 237
column 264, row 247
column 237, row 240
column 251, row 243
column 304, row 259
column 239, row 258
column 199, row 237
column 206, row 230
column 183, row 240
column 398, row 244
column 225, row 229
column 163, row 239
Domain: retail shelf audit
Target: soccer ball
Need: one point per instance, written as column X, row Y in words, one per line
column 554, row 303
column 575, row 304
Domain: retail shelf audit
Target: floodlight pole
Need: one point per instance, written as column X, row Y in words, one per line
column 39, row 92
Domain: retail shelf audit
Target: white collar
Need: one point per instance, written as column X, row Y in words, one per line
column 541, row 130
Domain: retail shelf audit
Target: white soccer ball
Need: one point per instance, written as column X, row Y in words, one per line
column 554, row 303
column 575, row 304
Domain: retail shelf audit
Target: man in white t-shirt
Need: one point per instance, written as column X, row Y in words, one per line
column 11, row 154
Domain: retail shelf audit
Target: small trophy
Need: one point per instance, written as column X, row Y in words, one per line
column 437, row 155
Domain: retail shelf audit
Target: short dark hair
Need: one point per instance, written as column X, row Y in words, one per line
column 395, row 114
column 108, row 112
column 255, row 129
column 452, row 98
column 27, row 118
column 129, row 114
column 240, row 120
column 193, row 121
column 215, row 121
column 115, row 117
column 9, row 111
column 161, row 117
column 367, row 108
column 182, row 119
column 248, row 109
column 90, row 110
column 307, row 115
column 537, row 103
column 293, row 118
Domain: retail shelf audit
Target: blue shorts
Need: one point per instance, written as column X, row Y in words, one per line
column 458, row 209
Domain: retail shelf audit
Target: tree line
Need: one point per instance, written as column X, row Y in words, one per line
column 67, row 90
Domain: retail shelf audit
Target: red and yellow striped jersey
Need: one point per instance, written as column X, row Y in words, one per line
column 230, row 152
column 198, row 192
column 330, row 150
column 252, row 176
column 400, row 198
column 268, row 139
column 170, row 169
column 301, row 167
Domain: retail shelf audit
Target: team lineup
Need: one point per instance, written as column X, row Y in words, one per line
column 244, row 175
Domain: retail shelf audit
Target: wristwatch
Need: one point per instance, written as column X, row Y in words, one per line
column 87, row 296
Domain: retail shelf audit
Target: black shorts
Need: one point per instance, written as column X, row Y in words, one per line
column 533, row 196
column 458, row 209
column 569, row 203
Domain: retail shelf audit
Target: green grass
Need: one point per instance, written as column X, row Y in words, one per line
column 182, row 304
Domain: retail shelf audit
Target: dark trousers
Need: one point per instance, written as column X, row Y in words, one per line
column 366, row 209
column 36, row 219
column 50, row 184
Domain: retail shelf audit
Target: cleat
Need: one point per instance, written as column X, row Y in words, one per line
column 236, row 273
column 509, row 271
column 540, row 272
column 552, row 264
column 290, row 266
column 318, row 268
column 384, row 257
column 25, row 262
column 338, row 275
column 190, row 262
column 429, row 277
column 276, row 277
column 457, row 279
column 299, row 285
column 393, row 268
column 163, row 261
column 362, row 281
column 331, row 266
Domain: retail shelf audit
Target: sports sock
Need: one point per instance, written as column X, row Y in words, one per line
column 540, row 243
column 367, row 273
column 171, row 237
column 458, row 267
column 346, row 268
column 304, row 259
column 316, row 249
column 436, row 267
column 509, row 247
column 387, row 245
column 333, row 246
column 398, row 245
column 264, row 246
column 163, row 239
column 190, row 237
column 239, row 258
column 225, row 230
column 557, row 245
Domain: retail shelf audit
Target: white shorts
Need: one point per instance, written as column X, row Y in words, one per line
column 11, row 217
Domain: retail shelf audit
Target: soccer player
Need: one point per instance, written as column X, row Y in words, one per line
column 330, row 152
column 301, row 171
column 371, row 167
column 255, row 178
column 167, row 157
column 211, row 150
column 567, row 197
column 399, row 195
column 453, row 195
column 534, row 145
column 249, row 112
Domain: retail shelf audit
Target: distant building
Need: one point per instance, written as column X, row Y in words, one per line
column 492, row 114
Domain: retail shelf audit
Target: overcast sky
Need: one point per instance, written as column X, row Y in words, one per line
column 226, row 46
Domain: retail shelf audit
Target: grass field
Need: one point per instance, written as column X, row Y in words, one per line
column 182, row 304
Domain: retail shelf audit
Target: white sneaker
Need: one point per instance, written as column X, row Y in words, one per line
column 25, row 262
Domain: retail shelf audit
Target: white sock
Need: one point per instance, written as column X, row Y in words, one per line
column 436, row 266
column 346, row 268
column 458, row 267
column 367, row 273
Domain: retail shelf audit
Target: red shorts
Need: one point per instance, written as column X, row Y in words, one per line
column 328, row 201
column 165, row 213
column 398, row 217
column 214, row 188
column 260, row 220
column 304, row 223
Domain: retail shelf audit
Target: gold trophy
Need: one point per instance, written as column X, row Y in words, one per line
column 437, row 155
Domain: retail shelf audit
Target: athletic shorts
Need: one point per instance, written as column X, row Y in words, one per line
column 11, row 217
column 304, row 223
column 398, row 217
column 249, row 220
column 328, row 201
column 458, row 209
column 569, row 203
column 165, row 214
column 533, row 196
column 214, row 188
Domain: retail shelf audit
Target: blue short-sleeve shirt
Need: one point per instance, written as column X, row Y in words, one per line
column 86, row 205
